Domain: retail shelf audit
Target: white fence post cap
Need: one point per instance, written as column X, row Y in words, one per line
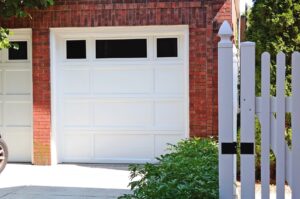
column 225, row 32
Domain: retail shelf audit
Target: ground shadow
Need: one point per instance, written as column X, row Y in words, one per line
column 122, row 167
column 48, row 192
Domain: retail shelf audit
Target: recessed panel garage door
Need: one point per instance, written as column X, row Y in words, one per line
column 120, row 94
column 16, row 97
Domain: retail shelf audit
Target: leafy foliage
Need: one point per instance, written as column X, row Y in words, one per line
column 4, row 42
column 17, row 8
column 190, row 171
column 275, row 27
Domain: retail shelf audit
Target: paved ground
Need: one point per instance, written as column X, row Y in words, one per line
column 288, row 192
column 67, row 181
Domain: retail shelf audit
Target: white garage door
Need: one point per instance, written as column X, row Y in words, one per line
column 16, row 97
column 120, row 94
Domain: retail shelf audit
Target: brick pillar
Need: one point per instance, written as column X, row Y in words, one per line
column 41, row 97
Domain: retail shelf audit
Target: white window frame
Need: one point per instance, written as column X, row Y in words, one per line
column 77, row 59
column 179, row 48
column 23, row 34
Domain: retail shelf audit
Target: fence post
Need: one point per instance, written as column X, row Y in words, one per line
column 227, row 106
column 247, row 120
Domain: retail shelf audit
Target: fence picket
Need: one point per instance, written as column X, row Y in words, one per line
column 280, row 126
column 265, row 126
column 247, row 118
column 296, row 125
column 273, row 126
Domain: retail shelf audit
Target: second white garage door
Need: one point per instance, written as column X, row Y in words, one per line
column 119, row 94
column 16, row 97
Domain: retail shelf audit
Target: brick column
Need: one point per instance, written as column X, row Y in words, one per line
column 41, row 97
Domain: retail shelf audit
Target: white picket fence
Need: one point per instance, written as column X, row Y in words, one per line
column 271, row 112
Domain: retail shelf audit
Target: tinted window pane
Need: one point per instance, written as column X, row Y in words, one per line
column 167, row 47
column 20, row 53
column 123, row 48
column 76, row 49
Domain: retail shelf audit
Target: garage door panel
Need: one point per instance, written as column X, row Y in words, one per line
column 18, row 114
column 123, row 81
column 1, row 114
column 76, row 81
column 76, row 113
column 169, row 115
column 169, row 80
column 162, row 141
column 19, row 144
column 17, row 98
column 17, row 82
column 78, row 146
column 126, row 114
column 1, row 80
column 128, row 147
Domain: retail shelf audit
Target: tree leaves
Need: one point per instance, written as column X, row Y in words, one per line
column 4, row 42
column 17, row 8
column 275, row 26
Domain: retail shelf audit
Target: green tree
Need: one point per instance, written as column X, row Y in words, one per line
column 275, row 26
column 17, row 8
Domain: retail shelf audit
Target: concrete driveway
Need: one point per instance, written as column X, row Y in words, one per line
column 67, row 181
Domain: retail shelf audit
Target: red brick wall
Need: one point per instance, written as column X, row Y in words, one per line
column 203, row 18
column 41, row 96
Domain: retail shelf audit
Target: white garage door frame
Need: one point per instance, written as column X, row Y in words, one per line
column 18, row 127
column 62, row 34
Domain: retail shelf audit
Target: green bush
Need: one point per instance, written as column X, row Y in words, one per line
column 189, row 171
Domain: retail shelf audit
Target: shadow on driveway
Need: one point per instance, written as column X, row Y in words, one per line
column 121, row 167
column 48, row 192
column 65, row 181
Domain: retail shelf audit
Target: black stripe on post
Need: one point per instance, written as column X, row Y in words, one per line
column 247, row 148
column 229, row 148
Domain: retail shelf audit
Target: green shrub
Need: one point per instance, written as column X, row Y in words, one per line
column 189, row 171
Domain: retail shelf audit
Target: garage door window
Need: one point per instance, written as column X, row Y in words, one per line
column 167, row 47
column 76, row 49
column 18, row 53
column 121, row 48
